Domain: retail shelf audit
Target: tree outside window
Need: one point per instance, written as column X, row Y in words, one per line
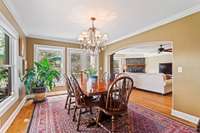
column 5, row 66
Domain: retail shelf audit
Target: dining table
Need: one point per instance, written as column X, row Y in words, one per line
column 96, row 88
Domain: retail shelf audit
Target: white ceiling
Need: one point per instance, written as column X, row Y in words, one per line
column 144, row 50
column 65, row 19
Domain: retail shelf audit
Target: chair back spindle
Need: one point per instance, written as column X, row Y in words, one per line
column 118, row 94
column 121, row 75
column 79, row 95
column 70, row 89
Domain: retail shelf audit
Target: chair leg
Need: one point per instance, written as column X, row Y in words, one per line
column 66, row 101
column 91, row 111
column 98, row 116
column 69, row 105
column 128, row 123
column 74, row 116
column 79, row 119
column 113, row 125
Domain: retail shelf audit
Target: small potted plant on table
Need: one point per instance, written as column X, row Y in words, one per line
column 40, row 78
column 91, row 73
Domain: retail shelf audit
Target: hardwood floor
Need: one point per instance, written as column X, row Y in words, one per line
column 22, row 120
column 156, row 102
column 153, row 101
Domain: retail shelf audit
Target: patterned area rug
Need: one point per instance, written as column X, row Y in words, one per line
column 51, row 117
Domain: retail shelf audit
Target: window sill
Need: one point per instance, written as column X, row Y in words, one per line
column 7, row 104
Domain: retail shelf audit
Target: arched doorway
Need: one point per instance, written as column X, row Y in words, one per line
column 150, row 65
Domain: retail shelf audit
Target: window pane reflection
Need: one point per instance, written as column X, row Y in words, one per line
column 4, row 48
column 5, row 83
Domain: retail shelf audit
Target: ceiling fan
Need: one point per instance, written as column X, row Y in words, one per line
column 162, row 49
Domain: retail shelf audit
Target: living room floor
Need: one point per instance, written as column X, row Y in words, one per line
column 156, row 102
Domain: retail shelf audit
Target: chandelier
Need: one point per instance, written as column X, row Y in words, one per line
column 93, row 40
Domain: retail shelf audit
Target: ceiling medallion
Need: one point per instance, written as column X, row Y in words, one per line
column 93, row 40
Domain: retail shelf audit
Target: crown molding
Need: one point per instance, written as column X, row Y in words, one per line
column 8, row 26
column 173, row 18
column 12, row 10
column 53, row 39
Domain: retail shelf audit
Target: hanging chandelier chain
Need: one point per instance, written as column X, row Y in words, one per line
column 93, row 19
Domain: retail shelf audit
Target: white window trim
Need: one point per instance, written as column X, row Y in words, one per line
column 8, row 102
column 38, row 47
column 8, row 27
column 77, row 50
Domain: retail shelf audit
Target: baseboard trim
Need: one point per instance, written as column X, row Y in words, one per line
column 185, row 116
column 8, row 123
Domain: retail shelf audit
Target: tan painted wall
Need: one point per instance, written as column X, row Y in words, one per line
column 11, row 19
column 185, row 34
column 32, row 41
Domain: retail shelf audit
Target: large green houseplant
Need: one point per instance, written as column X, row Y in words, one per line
column 40, row 78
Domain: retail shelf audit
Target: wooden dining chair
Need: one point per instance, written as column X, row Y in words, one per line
column 117, row 100
column 198, row 127
column 82, row 102
column 70, row 94
column 121, row 75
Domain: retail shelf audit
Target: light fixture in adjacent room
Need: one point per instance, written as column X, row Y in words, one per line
column 93, row 40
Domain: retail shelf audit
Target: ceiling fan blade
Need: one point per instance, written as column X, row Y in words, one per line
column 168, row 50
column 161, row 49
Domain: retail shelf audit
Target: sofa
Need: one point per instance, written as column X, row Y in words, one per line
column 154, row 82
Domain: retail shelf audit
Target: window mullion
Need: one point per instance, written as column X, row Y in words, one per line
column 5, row 66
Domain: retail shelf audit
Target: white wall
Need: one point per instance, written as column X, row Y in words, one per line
column 152, row 63
column 122, row 61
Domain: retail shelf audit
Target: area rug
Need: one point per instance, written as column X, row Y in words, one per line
column 51, row 117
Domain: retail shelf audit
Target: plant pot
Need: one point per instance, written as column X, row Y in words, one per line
column 93, row 78
column 39, row 94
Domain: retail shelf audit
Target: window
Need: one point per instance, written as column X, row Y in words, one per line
column 5, row 66
column 55, row 55
column 9, row 74
column 79, row 60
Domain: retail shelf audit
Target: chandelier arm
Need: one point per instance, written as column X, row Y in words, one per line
column 92, row 41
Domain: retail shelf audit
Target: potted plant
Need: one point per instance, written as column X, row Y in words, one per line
column 40, row 78
column 91, row 73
